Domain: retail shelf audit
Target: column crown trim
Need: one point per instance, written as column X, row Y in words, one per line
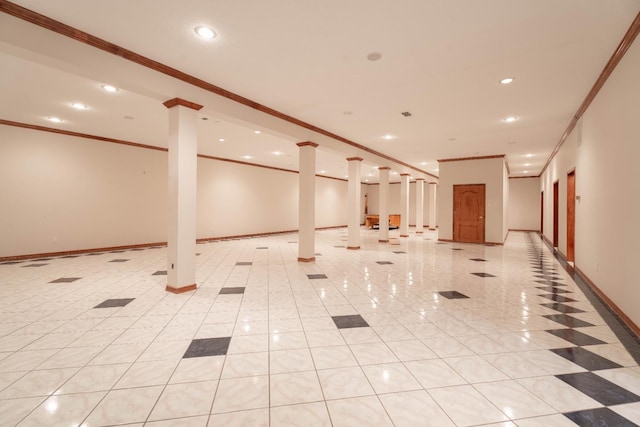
column 359, row 159
column 459, row 159
column 405, row 174
column 384, row 168
column 179, row 101
column 307, row 144
column 419, row 179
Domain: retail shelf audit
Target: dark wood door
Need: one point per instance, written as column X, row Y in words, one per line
column 571, row 216
column 556, row 199
column 468, row 213
column 542, row 212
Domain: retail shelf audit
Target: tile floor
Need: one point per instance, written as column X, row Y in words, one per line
column 410, row 334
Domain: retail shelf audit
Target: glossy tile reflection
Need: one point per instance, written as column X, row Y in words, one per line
column 409, row 333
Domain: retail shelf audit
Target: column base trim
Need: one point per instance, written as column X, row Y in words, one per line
column 383, row 241
column 181, row 289
column 419, row 232
column 432, row 229
column 353, row 248
column 404, row 235
column 312, row 259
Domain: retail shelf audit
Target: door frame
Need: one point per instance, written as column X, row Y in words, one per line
column 571, row 215
column 556, row 212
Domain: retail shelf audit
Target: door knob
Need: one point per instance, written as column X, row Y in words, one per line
column 480, row 217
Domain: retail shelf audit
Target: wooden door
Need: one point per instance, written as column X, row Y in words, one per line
column 468, row 213
column 571, row 216
column 542, row 213
column 556, row 199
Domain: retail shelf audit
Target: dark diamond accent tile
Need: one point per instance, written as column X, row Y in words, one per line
column 116, row 252
column 452, row 295
column 351, row 321
column 563, row 308
column 34, row 265
column 575, row 337
column 10, row 262
column 316, row 276
column 478, row 259
column 547, row 277
column 384, row 262
column 160, row 273
column 550, row 283
column 66, row 280
column 118, row 302
column 339, row 246
column 244, row 263
column 599, row 417
column 457, row 249
column 225, row 291
column 95, row 253
column 558, row 298
column 208, row 347
column 42, row 259
column 483, row 274
column 598, row 388
column 262, row 247
column 138, row 249
column 399, row 252
column 553, row 290
column 583, row 357
column 198, row 253
column 568, row 321
column 440, row 243
column 119, row 260
column 70, row 256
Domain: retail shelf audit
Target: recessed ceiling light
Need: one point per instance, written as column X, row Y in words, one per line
column 525, row 172
column 247, row 157
column 510, row 119
column 527, row 164
column 423, row 163
column 54, row 119
column 220, row 139
column 277, row 153
column 374, row 56
column 347, row 113
column 366, row 180
column 529, row 155
column 507, row 80
column 323, row 171
column 109, row 88
column 388, row 136
column 205, row 32
column 79, row 106
column 256, row 132
column 451, row 139
column 370, row 174
column 436, row 169
column 394, row 173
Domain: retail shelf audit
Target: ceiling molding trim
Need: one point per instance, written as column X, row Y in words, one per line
column 354, row 159
column 307, row 144
column 460, row 159
column 611, row 65
column 79, row 135
column 88, row 39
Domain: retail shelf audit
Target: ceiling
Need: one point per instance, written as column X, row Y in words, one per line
column 442, row 61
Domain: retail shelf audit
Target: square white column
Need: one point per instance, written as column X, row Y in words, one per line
column 383, row 209
column 419, row 205
column 183, row 162
column 353, row 203
column 307, row 201
column 432, row 205
column 404, row 205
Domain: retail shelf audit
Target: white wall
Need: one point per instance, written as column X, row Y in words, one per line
column 524, row 204
column 490, row 172
column 62, row 193
column 604, row 150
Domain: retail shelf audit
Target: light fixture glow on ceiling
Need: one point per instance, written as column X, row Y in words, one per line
column 510, row 119
column 277, row 153
column 527, row 164
column 388, row 136
column 205, row 32
column 109, row 88
column 423, row 163
column 54, row 119
column 79, row 106
column 529, row 155
column 323, row 171
column 247, row 157
column 525, row 172
column 256, row 132
column 507, row 80
column 221, row 140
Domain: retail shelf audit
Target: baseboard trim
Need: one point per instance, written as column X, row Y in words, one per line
column 148, row 245
column 353, row 248
column 182, row 289
column 312, row 259
column 471, row 243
